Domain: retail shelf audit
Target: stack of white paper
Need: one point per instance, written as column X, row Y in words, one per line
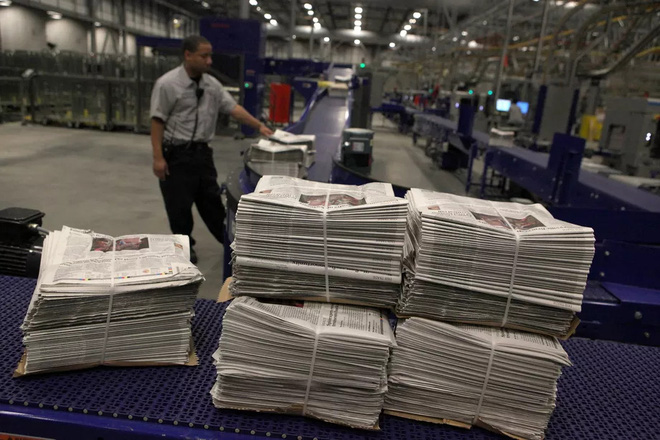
column 338, row 89
column 325, row 361
column 493, row 263
column 267, row 157
column 308, row 140
column 270, row 151
column 498, row 378
column 106, row 300
column 311, row 240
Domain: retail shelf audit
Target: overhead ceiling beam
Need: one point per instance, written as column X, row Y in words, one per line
column 332, row 15
column 384, row 21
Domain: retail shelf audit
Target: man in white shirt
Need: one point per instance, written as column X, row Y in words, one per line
column 185, row 103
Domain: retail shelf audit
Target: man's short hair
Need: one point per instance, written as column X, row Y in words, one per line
column 191, row 43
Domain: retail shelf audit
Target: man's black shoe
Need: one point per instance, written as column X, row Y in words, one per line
column 193, row 256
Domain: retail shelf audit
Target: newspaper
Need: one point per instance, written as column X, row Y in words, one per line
column 284, row 137
column 326, row 234
column 106, row 300
column 466, row 375
column 326, row 361
column 268, row 157
column 498, row 263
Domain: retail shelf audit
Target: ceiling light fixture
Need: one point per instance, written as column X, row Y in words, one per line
column 392, row 45
column 206, row 5
column 310, row 12
column 54, row 15
column 5, row 2
column 464, row 33
column 273, row 22
column 412, row 21
column 308, row 6
column 417, row 15
column 358, row 16
column 407, row 27
column 315, row 19
column 358, row 10
column 357, row 42
column 317, row 25
column 357, row 28
column 403, row 33
column 357, row 23
column 97, row 24
column 253, row 2
column 326, row 39
column 268, row 16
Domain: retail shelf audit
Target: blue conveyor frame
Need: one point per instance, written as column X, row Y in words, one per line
column 611, row 391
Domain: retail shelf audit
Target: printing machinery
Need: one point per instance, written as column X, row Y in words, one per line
column 630, row 140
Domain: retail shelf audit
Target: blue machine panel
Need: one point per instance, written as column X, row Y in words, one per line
column 248, row 39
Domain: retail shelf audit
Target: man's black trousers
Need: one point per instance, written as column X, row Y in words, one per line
column 192, row 179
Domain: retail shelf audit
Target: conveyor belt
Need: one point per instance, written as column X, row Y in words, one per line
column 612, row 391
column 594, row 186
column 326, row 120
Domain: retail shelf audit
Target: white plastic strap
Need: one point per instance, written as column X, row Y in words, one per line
column 111, row 295
column 311, row 367
column 483, row 389
column 505, row 317
column 325, row 245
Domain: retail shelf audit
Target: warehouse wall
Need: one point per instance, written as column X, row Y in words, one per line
column 67, row 34
column 22, row 28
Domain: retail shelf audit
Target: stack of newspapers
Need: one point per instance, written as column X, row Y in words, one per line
column 493, row 263
column 268, row 157
column 501, row 379
column 326, row 361
column 105, row 300
column 298, row 239
column 308, row 140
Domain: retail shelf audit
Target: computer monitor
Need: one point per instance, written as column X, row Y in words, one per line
column 524, row 107
column 503, row 105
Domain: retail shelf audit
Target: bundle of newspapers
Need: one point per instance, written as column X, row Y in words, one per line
column 325, row 361
column 501, row 379
column 114, row 301
column 494, row 263
column 266, row 157
column 298, row 239
column 308, row 140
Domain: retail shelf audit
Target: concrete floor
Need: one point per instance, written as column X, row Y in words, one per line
column 398, row 161
column 101, row 181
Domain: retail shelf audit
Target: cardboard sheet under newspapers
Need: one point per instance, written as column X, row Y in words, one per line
column 225, row 295
column 571, row 331
column 192, row 361
column 479, row 423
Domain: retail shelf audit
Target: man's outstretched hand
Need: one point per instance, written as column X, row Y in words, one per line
column 265, row 131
